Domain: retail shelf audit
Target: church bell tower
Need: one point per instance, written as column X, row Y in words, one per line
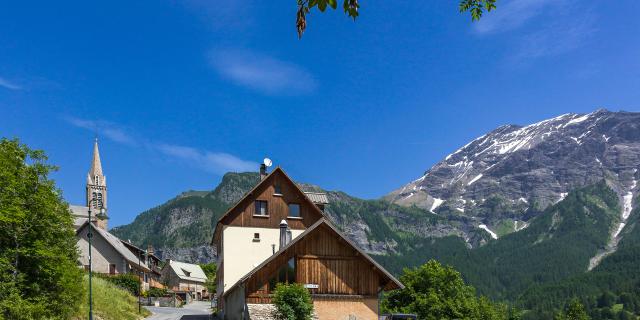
column 97, row 188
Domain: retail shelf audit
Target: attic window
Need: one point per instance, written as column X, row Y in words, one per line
column 186, row 273
column 277, row 190
column 294, row 210
column 261, row 208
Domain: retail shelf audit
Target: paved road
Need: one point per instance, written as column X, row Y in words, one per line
column 198, row 310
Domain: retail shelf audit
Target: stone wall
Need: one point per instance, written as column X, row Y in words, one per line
column 351, row 308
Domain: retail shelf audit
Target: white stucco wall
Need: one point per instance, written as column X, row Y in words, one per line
column 242, row 254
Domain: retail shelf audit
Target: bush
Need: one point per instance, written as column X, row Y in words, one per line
column 293, row 302
column 129, row 282
column 156, row 292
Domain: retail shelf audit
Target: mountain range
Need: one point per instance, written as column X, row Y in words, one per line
column 524, row 212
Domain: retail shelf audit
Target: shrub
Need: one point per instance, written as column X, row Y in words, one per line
column 129, row 282
column 293, row 302
column 156, row 292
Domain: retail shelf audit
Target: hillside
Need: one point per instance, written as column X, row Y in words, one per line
column 182, row 227
column 521, row 211
column 109, row 302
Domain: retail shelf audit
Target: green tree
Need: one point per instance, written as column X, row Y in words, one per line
column 210, row 270
column 574, row 311
column 292, row 301
column 351, row 8
column 39, row 278
column 433, row 291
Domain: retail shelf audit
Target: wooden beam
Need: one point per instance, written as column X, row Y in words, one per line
column 312, row 256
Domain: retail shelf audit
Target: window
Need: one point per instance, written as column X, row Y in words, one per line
column 100, row 200
column 286, row 274
column 186, row 273
column 294, row 210
column 277, row 189
column 256, row 237
column 112, row 269
column 261, row 208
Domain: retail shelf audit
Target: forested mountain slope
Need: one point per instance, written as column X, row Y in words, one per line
column 520, row 212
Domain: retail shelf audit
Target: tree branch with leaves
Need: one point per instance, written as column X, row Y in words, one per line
column 351, row 9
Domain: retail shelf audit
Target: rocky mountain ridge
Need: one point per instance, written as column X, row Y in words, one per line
column 526, row 169
column 493, row 186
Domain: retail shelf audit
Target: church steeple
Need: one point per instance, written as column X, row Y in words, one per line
column 97, row 186
column 96, row 166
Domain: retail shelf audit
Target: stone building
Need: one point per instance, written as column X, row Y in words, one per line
column 109, row 254
column 96, row 195
column 185, row 279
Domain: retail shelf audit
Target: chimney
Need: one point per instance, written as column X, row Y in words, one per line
column 263, row 171
column 285, row 234
column 150, row 249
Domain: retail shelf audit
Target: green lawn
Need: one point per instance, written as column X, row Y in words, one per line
column 109, row 302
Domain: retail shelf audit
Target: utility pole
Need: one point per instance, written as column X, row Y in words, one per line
column 139, row 283
column 89, row 236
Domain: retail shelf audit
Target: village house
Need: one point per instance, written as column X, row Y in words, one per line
column 110, row 255
column 185, row 279
column 277, row 234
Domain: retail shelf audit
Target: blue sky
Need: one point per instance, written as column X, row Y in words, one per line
column 180, row 92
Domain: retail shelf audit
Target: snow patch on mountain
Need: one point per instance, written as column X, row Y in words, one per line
column 612, row 246
column 485, row 228
column 436, row 203
column 476, row 178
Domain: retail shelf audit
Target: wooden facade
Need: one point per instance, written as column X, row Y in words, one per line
column 325, row 259
column 331, row 266
column 243, row 213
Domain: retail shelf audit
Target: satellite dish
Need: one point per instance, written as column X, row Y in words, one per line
column 267, row 162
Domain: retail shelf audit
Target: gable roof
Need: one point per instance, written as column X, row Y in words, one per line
column 133, row 247
column 278, row 170
column 299, row 238
column 187, row 271
column 317, row 197
column 116, row 243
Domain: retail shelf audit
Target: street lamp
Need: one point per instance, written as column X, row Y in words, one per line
column 101, row 215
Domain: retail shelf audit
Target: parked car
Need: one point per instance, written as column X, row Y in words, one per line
column 399, row 316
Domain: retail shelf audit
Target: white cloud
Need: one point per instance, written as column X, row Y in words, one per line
column 214, row 162
column 555, row 39
column 262, row 73
column 105, row 128
column 539, row 28
column 8, row 84
column 513, row 14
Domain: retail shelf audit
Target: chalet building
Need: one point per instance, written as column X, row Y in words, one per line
column 185, row 279
column 278, row 234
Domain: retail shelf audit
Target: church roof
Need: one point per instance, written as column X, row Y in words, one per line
column 96, row 166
